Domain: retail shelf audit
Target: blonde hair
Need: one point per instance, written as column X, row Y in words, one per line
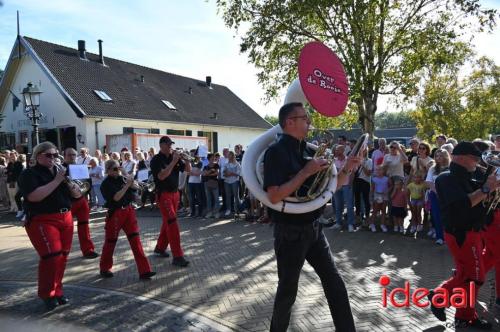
column 42, row 147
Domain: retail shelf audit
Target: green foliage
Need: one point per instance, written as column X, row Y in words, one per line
column 401, row 119
column 271, row 119
column 386, row 46
column 465, row 108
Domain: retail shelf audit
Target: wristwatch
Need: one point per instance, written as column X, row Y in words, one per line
column 485, row 189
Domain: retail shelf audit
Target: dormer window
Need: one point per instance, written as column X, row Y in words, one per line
column 103, row 95
column 169, row 105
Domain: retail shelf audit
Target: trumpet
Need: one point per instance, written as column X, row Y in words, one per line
column 185, row 155
column 492, row 159
column 83, row 186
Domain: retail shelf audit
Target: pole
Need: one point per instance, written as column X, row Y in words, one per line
column 35, row 126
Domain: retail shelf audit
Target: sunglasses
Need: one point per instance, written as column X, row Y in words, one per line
column 51, row 155
column 393, row 147
column 114, row 169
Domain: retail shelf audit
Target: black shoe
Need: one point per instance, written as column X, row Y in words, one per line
column 147, row 275
column 477, row 323
column 161, row 253
column 106, row 274
column 62, row 300
column 439, row 313
column 50, row 303
column 180, row 261
column 91, row 255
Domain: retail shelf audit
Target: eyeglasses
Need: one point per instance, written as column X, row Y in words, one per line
column 303, row 117
column 422, row 148
column 114, row 169
column 51, row 155
column 393, row 147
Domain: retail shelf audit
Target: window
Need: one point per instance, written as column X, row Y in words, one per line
column 175, row 132
column 103, row 95
column 131, row 130
column 189, row 133
column 169, row 105
column 7, row 140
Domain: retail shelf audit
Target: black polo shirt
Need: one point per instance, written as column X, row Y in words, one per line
column 38, row 176
column 170, row 183
column 282, row 161
column 453, row 188
column 110, row 186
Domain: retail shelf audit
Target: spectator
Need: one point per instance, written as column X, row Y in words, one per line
column 413, row 152
column 442, row 164
column 423, row 161
column 4, row 195
column 378, row 154
column 343, row 196
column 231, row 171
column 128, row 164
column 84, row 157
column 361, row 186
column 195, row 189
column 448, row 147
column 452, row 141
column 96, row 173
column 98, row 155
column 210, row 173
column 399, row 199
column 223, row 160
column 440, row 140
column 12, row 181
column 394, row 161
column 380, row 193
column 416, row 190
column 116, row 157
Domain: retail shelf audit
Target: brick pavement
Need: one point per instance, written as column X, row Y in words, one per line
column 232, row 277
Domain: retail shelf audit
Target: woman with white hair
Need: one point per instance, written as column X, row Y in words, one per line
column 49, row 222
column 96, row 173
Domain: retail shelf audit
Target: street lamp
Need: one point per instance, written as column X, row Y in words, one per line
column 31, row 96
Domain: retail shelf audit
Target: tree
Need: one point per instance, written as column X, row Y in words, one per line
column 385, row 45
column 401, row 119
column 465, row 108
column 271, row 119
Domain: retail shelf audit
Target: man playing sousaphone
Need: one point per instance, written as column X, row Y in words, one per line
column 299, row 237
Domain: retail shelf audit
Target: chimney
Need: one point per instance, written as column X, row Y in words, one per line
column 101, row 57
column 208, row 80
column 81, row 50
column 142, row 78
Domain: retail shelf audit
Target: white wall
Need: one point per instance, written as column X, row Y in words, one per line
column 227, row 136
column 56, row 111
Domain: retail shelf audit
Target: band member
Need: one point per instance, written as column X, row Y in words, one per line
column 48, row 220
column 165, row 167
column 463, row 216
column 80, row 209
column 299, row 237
column 119, row 193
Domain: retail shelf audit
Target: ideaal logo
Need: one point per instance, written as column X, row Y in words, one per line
column 418, row 297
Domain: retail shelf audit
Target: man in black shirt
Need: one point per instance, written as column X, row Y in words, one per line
column 463, row 216
column 165, row 167
column 299, row 237
column 80, row 209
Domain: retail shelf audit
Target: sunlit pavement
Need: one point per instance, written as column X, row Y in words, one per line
column 229, row 285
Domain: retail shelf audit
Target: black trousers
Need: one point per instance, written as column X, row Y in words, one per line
column 294, row 245
column 361, row 190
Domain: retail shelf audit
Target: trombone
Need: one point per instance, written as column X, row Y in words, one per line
column 492, row 159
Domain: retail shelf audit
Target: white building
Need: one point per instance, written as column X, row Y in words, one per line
column 86, row 97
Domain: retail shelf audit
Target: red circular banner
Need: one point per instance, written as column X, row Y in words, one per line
column 323, row 79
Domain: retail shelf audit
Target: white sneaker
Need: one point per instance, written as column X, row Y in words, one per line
column 228, row 213
column 336, row 227
column 373, row 228
column 384, row 228
column 439, row 241
column 430, row 232
column 94, row 208
column 19, row 214
column 396, row 229
column 350, row 228
column 420, row 228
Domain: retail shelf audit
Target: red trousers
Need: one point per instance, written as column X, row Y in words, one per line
column 491, row 253
column 469, row 267
column 123, row 219
column 80, row 209
column 169, row 233
column 51, row 235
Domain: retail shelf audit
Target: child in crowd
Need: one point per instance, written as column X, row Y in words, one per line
column 380, row 193
column 416, row 190
column 399, row 197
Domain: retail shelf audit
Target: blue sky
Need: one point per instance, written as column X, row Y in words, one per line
column 185, row 37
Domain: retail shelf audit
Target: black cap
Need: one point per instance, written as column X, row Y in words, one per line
column 466, row 148
column 166, row 140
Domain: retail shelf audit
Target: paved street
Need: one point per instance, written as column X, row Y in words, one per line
column 229, row 285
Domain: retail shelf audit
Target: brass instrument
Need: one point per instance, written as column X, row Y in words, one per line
column 83, row 186
column 492, row 159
